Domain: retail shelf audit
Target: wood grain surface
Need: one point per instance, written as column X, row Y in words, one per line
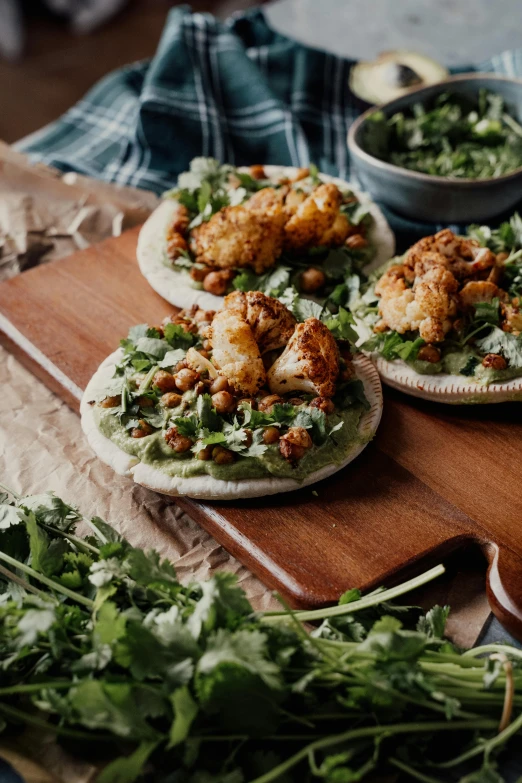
column 434, row 478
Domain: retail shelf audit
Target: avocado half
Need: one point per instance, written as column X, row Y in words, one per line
column 393, row 74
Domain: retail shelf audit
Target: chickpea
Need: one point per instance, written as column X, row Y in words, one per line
column 179, row 443
column 271, row 435
column 200, row 387
column 182, row 365
column 181, row 220
column 429, row 353
column 145, row 402
column 249, row 437
column 186, row 379
column 296, row 401
column 203, row 353
column 205, row 454
column 257, row 172
column 267, row 403
column 324, row 404
column 494, row 361
column 176, row 244
column 356, row 242
column 171, row 400
column 142, row 429
column 159, row 329
column 501, row 257
column 222, row 456
column 217, row 282
column 165, row 381
column 110, row 402
column 312, row 279
column 198, row 273
column 247, row 400
column 294, row 444
column 223, row 402
column 202, row 315
column 219, row 384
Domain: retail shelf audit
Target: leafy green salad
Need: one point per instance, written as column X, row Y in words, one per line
column 104, row 651
column 452, row 136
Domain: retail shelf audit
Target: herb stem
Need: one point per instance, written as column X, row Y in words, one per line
column 27, row 717
column 79, row 542
column 35, row 687
column 485, row 747
column 22, row 582
column 413, row 772
column 81, row 599
column 372, row 731
column 363, row 603
column 9, row 491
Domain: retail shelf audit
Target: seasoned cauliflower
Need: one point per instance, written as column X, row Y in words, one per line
column 309, row 363
column 463, row 257
column 428, row 306
column 235, row 353
column 478, row 291
column 316, row 220
column 241, row 236
column 271, row 322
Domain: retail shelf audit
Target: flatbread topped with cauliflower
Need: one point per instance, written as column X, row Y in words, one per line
column 243, row 402
column 264, row 229
column 445, row 318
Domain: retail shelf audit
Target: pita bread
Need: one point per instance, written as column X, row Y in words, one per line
column 175, row 287
column 208, row 487
column 441, row 387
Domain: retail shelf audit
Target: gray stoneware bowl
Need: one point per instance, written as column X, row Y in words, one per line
column 439, row 199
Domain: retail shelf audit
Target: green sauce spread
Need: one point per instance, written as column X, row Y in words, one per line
column 153, row 450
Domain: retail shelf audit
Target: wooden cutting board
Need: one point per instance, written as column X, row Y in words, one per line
column 434, row 478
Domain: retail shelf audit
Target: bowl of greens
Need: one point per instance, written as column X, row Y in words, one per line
column 450, row 152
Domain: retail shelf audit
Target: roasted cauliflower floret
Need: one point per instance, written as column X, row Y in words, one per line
column 309, row 363
column 512, row 319
column 463, row 257
column 240, row 237
column 314, row 218
column 479, row 291
column 235, row 353
column 271, row 322
column 267, row 200
column 429, row 306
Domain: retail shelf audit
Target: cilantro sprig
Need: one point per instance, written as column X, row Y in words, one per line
column 101, row 643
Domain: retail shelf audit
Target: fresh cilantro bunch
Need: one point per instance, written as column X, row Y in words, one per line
column 452, row 136
column 102, row 647
column 507, row 238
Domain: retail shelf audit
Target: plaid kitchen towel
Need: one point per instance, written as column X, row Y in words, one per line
column 235, row 90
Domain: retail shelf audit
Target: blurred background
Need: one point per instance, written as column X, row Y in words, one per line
column 52, row 51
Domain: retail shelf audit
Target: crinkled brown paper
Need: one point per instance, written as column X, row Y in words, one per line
column 44, row 216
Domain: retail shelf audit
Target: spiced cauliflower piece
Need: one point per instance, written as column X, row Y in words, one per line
column 479, row 291
column 309, row 363
column 248, row 235
column 271, row 322
column 462, row 257
column 316, row 220
column 235, row 353
column 428, row 306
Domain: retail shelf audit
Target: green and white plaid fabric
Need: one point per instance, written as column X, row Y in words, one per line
column 237, row 91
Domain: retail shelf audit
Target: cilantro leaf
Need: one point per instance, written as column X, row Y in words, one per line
column 177, row 337
column 208, row 416
column 504, row 343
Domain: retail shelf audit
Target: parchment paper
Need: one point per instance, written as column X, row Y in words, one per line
column 44, row 216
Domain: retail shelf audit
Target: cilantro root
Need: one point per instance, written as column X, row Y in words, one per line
column 99, row 641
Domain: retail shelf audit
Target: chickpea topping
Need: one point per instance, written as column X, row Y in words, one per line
column 181, row 365
column 356, row 242
column 222, row 456
column 347, row 374
column 324, row 404
column 203, row 353
column 186, row 379
column 219, row 384
column 205, row 454
column 312, row 279
column 296, row 401
column 494, row 361
column 266, row 405
column 428, row 353
column 159, row 328
column 294, row 443
column 179, row 443
column 110, row 402
column 223, row 402
column 257, row 172
column 165, row 381
column 199, row 273
column 200, row 387
column 249, row 437
column 176, row 244
column 171, row 399
column 203, row 315
column 247, row 400
column 217, row 282
column 181, row 220
column 145, row 402
column 142, row 429
column 271, row 435
column 501, row 257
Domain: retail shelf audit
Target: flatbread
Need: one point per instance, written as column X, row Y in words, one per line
column 441, row 387
column 174, row 286
column 207, row 487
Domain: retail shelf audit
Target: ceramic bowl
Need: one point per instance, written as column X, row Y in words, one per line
column 431, row 198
